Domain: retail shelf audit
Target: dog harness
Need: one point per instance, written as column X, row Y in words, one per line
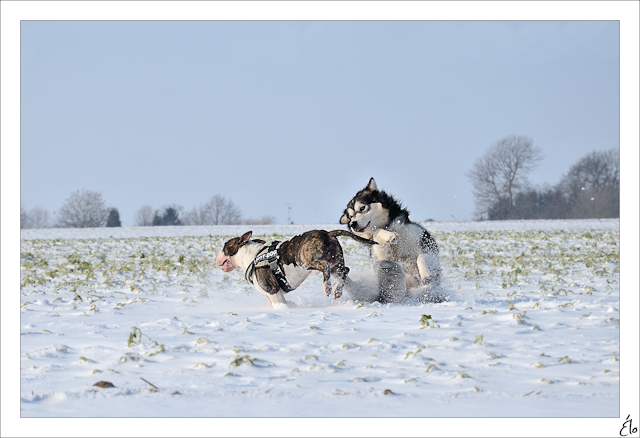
column 268, row 257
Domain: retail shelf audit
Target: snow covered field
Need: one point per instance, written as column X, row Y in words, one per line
column 532, row 328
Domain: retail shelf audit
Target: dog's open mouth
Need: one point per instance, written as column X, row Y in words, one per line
column 226, row 262
column 360, row 229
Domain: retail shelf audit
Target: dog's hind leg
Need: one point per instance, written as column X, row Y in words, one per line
column 341, row 273
column 326, row 281
column 391, row 282
column 348, row 283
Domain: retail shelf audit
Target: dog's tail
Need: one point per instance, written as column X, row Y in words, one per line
column 336, row 233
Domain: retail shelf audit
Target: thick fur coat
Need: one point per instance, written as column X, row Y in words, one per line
column 375, row 214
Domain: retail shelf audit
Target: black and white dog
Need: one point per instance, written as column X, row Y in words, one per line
column 282, row 267
column 406, row 259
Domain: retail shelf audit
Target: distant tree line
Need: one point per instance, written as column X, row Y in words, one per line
column 167, row 215
column 87, row 209
column 82, row 209
column 590, row 189
column 217, row 211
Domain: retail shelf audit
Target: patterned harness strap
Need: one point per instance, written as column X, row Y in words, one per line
column 269, row 259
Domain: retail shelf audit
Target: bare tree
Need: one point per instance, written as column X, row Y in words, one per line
column 197, row 216
column 592, row 185
column 39, row 218
column 264, row 220
column 501, row 173
column 35, row 218
column 595, row 170
column 83, row 209
column 144, row 216
column 231, row 214
column 24, row 218
column 596, row 203
column 217, row 211
column 222, row 211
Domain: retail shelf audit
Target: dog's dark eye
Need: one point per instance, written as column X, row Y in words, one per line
column 362, row 208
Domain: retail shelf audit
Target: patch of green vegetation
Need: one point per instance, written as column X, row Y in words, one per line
column 239, row 360
column 428, row 321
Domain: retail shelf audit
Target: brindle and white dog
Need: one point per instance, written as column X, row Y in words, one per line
column 407, row 251
column 315, row 250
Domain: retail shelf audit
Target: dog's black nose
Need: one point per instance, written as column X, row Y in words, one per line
column 353, row 225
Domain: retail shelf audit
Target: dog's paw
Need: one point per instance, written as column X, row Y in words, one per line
column 427, row 281
column 383, row 237
column 432, row 279
column 424, row 295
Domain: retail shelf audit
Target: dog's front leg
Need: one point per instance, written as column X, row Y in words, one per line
column 382, row 236
column 277, row 298
column 272, row 298
column 383, row 250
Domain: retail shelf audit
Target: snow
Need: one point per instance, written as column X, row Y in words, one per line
column 532, row 328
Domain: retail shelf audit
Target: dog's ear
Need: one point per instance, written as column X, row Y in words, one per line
column 260, row 241
column 344, row 219
column 245, row 237
column 372, row 185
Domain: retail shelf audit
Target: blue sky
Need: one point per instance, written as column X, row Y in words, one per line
column 304, row 112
